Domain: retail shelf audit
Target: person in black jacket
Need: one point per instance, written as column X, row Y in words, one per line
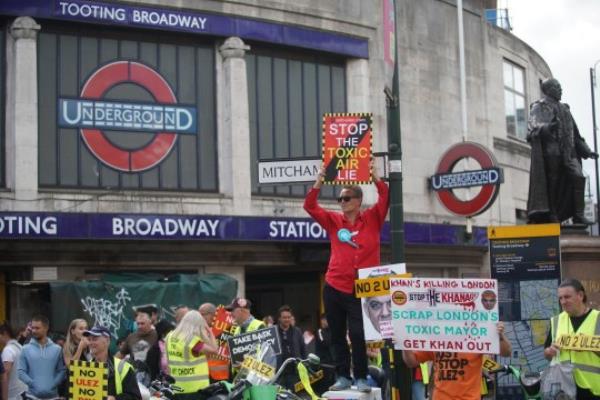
column 292, row 344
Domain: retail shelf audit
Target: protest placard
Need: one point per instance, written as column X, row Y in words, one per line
column 373, row 288
column 222, row 329
column 88, row 380
column 450, row 315
column 347, row 144
column 246, row 342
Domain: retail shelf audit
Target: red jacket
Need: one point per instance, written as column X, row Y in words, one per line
column 345, row 259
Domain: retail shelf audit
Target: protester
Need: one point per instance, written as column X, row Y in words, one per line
column 180, row 311
column 137, row 345
column 576, row 318
column 292, row 344
column 76, row 345
column 122, row 384
column 41, row 365
column 323, row 342
column 268, row 320
column 456, row 376
column 245, row 321
column 361, row 249
column 157, row 355
column 187, row 347
column 208, row 311
column 12, row 387
column 309, row 340
column 24, row 334
column 218, row 367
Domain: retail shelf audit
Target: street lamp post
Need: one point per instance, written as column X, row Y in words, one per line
column 595, row 133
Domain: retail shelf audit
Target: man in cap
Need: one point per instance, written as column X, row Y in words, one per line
column 122, row 384
column 240, row 311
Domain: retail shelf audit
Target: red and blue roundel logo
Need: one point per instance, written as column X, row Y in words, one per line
column 93, row 115
column 489, row 177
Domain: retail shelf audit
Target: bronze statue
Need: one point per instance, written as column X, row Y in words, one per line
column 556, row 180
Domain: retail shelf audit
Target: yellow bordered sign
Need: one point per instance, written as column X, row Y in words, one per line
column 88, row 380
column 379, row 344
column 579, row 342
column 490, row 365
column 317, row 376
column 259, row 367
column 378, row 286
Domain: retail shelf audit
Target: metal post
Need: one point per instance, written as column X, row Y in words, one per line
column 595, row 132
column 401, row 375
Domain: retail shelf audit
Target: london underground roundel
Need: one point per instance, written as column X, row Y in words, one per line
column 446, row 180
column 93, row 115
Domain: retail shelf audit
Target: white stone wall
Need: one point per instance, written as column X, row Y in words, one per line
column 430, row 109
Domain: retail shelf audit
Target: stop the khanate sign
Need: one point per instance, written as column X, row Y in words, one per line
column 347, row 144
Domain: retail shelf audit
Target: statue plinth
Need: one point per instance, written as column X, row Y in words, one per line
column 580, row 259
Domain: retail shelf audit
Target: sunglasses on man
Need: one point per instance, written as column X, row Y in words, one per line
column 345, row 199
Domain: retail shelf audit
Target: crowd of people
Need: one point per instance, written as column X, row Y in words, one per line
column 36, row 366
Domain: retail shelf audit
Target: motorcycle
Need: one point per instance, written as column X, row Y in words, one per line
column 530, row 382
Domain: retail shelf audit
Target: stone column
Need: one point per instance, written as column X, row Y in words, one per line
column 234, row 131
column 22, row 108
column 237, row 272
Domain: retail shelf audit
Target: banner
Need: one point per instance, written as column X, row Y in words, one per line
column 347, row 144
column 88, row 380
column 242, row 344
column 449, row 315
column 110, row 301
column 374, row 289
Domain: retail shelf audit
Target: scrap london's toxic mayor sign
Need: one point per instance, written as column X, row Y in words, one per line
column 456, row 315
column 347, row 144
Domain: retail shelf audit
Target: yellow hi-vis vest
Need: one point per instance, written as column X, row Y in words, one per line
column 424, row 372
column 255, row 325
column 190, row 372
column 121, row 367
column 586, row 364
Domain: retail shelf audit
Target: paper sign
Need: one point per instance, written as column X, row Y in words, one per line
column 579, row 342
column 376, row 308
column 490, row 365
column 88, row 380
column 347, row 144
column 260, row 368
column 246, row 342
column 450, row 315
column 222, row 329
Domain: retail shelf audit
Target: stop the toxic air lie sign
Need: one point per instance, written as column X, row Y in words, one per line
column 347, row 144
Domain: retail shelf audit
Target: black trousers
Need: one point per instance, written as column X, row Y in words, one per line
column 344, row 313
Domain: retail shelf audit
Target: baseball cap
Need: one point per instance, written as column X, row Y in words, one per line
column 239, row 303
column 97, row 331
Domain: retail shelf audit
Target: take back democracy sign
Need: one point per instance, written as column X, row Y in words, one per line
column 246, row 342
column 455, row 315
column 347, row 144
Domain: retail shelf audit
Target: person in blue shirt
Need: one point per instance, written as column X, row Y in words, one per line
column 41, row 365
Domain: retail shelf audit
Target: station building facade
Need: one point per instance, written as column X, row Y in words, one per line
column 131, row 134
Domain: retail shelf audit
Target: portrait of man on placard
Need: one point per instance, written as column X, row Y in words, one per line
column 377, row 313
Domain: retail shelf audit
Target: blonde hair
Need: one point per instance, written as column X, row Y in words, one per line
column 70, row 347
column 192, row 324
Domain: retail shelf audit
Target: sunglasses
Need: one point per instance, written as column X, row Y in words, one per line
column 345, row 198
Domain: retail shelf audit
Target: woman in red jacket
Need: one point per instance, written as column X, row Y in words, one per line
column 354, row 236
